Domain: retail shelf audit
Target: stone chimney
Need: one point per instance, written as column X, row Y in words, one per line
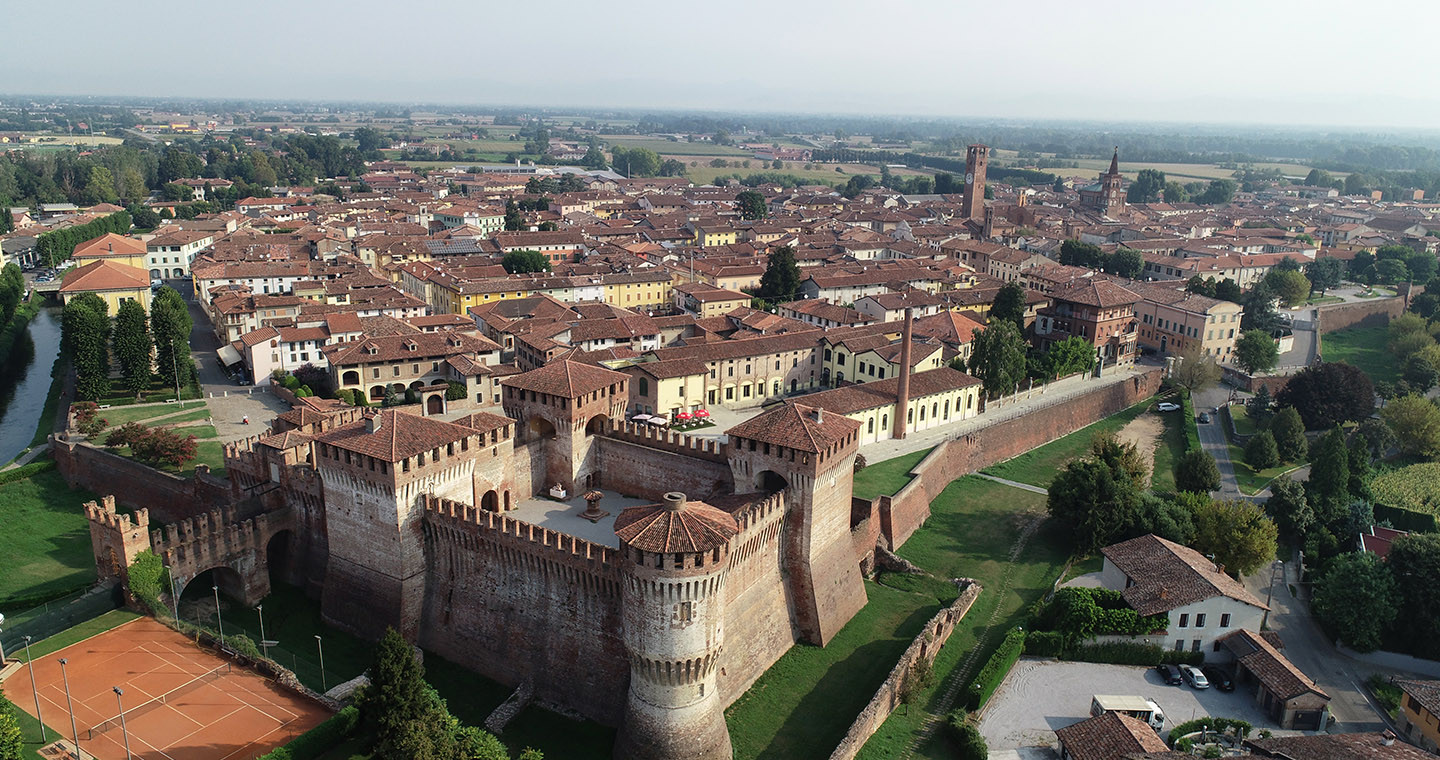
column 372, row 423
column 819, row 416
column 674, row 501
column 902, row 390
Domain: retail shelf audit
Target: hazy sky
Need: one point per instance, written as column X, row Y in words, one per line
column 1316, row 62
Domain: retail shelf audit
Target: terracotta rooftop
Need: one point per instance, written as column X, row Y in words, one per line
column 109, row 244
column 1167, row 575
column 1367, row 746
column 796, row 426
column 484, row 422
column 104, row 275
column 567, row 379
column 1108, row 736
column 1099, row 293
column 1426, row 693
column 398, row 435
column 857, row 398
column 675, row 526
column 1277, row 674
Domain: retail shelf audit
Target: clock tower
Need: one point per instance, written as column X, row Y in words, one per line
column 976, row 157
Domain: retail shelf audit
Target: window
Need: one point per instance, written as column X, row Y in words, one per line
column 871, row 427
column 1195, row 645
column 1225, row 620
column 1184, row 620
column 1200, row 620
column 1179, row 645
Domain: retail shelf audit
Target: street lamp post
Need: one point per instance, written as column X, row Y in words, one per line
column 260, row 608
column 75, row 732
column 31, row 664
column 324, row 685
column 174, row 597
column 219, row 620
column 119, row 692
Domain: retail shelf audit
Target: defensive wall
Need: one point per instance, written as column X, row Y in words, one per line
column 646, row 461
column 757, row 608
column 168, row 497
column 1375, row 312
column 921, row 653
column 895, row 518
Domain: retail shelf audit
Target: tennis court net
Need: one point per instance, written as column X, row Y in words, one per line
column 149, row 704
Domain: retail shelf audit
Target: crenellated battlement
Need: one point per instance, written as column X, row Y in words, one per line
column 533, row 539
column 675, row 672
column 668, row 440
column 105, row 514
column 756, row 514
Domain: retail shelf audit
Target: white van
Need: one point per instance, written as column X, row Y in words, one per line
column 1136, row 707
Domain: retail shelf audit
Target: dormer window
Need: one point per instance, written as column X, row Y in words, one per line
column 411, row 346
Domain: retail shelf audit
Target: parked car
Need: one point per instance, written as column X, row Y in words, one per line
column 1168, row 406
column 1218, row 678
column 1169, row 674
column 1194, row 677
column 1204, row 418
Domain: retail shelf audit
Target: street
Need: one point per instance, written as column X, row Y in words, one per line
column 229, row 404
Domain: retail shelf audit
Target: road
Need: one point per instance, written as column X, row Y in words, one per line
column 1212, row 436
column 230, row 404
column 1311, row 651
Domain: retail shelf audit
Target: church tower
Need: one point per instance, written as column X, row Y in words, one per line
column 976, row 157
column 1112, row 190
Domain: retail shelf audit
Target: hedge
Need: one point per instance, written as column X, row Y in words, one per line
column 1045, row 644
column 1086, row 612
column 1192, row 433
column 965, row 735
column 1132, row 653
column 1405, row 519
column 320, row 739
column 1219, row 725
column 21, row 473
column 995, row 670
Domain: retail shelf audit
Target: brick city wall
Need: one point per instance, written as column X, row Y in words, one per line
column 1376, row 312
column 900, row 515
column 516, row 602
column 923, row 649
column 168, row 497
column 635, row 468
column 757, row 607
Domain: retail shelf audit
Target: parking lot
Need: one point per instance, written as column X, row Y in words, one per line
column 1040, row 696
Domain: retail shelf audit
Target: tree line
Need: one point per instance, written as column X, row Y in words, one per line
column 149, row 349
column 57, row 245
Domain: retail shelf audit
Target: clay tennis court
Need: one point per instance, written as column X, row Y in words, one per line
column 181, row 702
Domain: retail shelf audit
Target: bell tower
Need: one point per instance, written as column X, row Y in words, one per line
column 976, row 157
column 1112, row 188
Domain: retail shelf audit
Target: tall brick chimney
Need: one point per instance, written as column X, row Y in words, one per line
column 902, row 390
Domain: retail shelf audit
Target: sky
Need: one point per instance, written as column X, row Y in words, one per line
column 1311, row 63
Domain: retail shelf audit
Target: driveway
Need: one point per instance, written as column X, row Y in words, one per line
column 1314, row 653
column 1212, row 436
column 1040, row 696
column 229, row 404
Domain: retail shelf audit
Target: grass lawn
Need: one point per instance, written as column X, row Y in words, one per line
column 971, row 532
column 45, row 546
column 118, row 417
column 1365, row 348
column 1037, row 467
column 76, row 634
column 208, row 450
column 292, row 619
column 1244, row 423
column 806, row 701
column 1250, row 480
column 1167, row 452
column 157, row 392
column 887, row 477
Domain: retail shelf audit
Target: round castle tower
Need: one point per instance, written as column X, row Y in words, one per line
column 675, row 556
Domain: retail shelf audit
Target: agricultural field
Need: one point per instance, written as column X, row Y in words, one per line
column 1416, row 488
column 674, row 148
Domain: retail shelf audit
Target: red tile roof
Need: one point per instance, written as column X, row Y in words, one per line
column 567, row 379
column 1168, row 575
column 675, row 527
column 1108, row 736
column 796, row 426
column 398, row 435
column 104, row 275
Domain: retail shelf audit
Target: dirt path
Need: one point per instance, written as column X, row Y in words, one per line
column 1144, row 431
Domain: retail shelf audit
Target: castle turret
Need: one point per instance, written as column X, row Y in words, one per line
column 810, row 454
column 675, row 557
column 560, row 407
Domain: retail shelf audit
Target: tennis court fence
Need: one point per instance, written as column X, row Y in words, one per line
column 153, row 702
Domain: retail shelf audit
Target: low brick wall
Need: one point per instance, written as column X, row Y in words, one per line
column 923, row 649
column 168, row 497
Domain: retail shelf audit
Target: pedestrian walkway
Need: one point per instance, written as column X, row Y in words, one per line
column 1014, row 484
column 27, row 457
column 1023, row 403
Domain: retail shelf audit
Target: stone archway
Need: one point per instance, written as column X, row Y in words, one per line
column 490, row 502
column 597, row 424
column 769, row 480
column 541, row 428
column 435, row 404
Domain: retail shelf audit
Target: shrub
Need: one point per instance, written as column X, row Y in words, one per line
column 21, row 473
column 860, row 462
column 318, row 740
column 1132, row 653
column 126, row 435
column 1197, row 471
column 1239, row 728
column 1045, row 643
column 455, row 392
column 1084, row 612
column 995, row 670
column 1260, row 452
column 969, row 744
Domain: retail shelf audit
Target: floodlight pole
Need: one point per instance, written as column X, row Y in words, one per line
column 219, row 620
column 33, row 690
column 119, row 692
column 75, row 732
column 260, row 608
column 324, row 685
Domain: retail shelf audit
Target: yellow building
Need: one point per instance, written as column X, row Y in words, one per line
column 111, row 247
column 708, row 236
column 115, row 283
column 1420, row 712
column 667, row 387
column 641, row 291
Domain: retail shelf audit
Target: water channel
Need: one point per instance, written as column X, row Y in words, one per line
column 27, row 383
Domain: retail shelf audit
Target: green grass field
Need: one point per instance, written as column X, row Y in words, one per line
column 1167, row 452
column 45, row 546
column 1250, row 480
column 887, row 477
column 1037, row 467
column 1364, row 347
column 667, row 148
column 971, row 532
column 806, row 701
column 118, row 417
column 208, row 450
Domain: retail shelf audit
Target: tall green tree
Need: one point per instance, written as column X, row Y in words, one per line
column 1290, row 441
column 1329, row 483
column 85, row 334
column 1197, row 471
column 1175, row 192
column 1146, row 187
column 1217, row 192
column 997, row 358
column 1415, row 421
column 751, row 204
column 1195, row 371
column 1328, row 394
column 170, row 326
column 781, row 281
column 1069, row 356
column 1289, row 507
column 1260, row 451
column 131, row 345
column 1290, row 285
column 1009, row 305
column 1238, row 533
column 1093, row 501
column 12, row 740
column 12, row 289
column 1415, row 562
column 525, row 261
column 1256, row 352
column 1325, row 273
column 1357, row 597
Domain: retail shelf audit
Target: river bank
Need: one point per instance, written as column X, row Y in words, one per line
column 29, row 348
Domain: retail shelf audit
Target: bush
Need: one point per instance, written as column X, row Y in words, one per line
column 995, row 670
column 1132, row 653
column 860, row 462
column 318, row 740
column 1045, row 644
column 21, row 473
column 148, row 578
column 1197, row 472
column 1260, row 452
column 1239, row 728
column 1084, row 612
column 969, row 744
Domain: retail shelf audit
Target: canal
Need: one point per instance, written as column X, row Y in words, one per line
column 26, row 380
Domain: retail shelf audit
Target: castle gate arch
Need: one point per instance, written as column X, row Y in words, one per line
column 490, row 501
column 597, row 424
column 769, row 481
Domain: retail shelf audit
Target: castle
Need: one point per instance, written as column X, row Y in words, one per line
column 654, row 621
